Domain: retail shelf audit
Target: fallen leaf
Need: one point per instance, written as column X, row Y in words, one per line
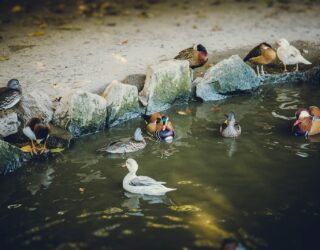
column 4, row 58
column 16, row 9
column 56, row 150
column 215, row 109
column 37, row 33
column 15, row 48
column 216, row 28
column 26, row 149
column 81, row 190
column 182, row 113
column 124, row 42
column 68, row 27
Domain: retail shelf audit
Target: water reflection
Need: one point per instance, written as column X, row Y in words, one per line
column 39, row 179
column 134, row 201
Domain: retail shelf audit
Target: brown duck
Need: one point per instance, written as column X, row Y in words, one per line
column 197, row 56
column 38, row 130
column 260, row 55
column 10, row 95
column 307, row 122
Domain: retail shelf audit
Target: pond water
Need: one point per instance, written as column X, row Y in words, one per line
column 262, row 188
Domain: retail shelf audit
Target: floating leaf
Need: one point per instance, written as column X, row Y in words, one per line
column 182, row 113
column 56, row 150
column 81, row 190
column 185, row 208
column 16, row 9
column 101, row 233
column 13, row 206
column 215, row 109
column 113, row 210
column 184, row 182
column 37, row 33
column 173, row 218
column 26, row 149
column 127, row 232
column 164, row 226
column 4, row 58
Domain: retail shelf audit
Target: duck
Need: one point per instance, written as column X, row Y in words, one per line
column 142, row 184
column 307, row 122
column 196, row 55
column 37, row 130
column 230, row 128
column 289, row 55
column 11, row 95
column 159, row 126
column 262, row 54
column 126, row 145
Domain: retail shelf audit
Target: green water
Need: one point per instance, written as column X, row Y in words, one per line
column 262, row 188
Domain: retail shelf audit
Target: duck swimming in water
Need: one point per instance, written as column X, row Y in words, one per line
column 10, row 95
column 160, row 126
column 38, row 130
column 307, row 122
column 126, row 145
column 142, row 184
column 230, row 128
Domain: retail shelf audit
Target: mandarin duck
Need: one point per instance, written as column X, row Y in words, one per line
column 38, row 130
column 126, row 145
column 196, row 55
column 262, row 54
column 142, row 184
column 10, row 95
column 230, row 128
column 289, row 55
column 160, row 126
column 307, row 122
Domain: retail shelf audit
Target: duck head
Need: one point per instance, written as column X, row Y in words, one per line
column 132, row 165
column 283, row 42
column 138, row 135
column 164, row 120
column 14, row 84
column 300, row 115
column 231, row 119
column 201, row 48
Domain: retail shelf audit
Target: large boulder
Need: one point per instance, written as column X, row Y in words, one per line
column 34, row 103
column 167, row 83
column 81, row 113
column 9, row 124
column 225, row 77
column 122, row 102
column 11, row 158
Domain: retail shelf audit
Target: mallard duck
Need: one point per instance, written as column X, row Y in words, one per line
column 230, row 128
column 261, row 55
column 196, row 55
column 160, row 126
column 126, row 145
column 307, row 122
column 38, row 130
column 10, row 95
column 142, row 184
column 289, row 55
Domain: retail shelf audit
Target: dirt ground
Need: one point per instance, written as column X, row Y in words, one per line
column 88, row 46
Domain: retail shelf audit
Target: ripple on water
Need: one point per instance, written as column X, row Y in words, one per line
column 302, row 154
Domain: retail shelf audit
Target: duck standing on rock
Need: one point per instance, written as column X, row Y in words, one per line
column 307, row 122
column 289, row 55
column 160, row 126
column 10, row 95
column 196, row 55
column 230, row 128
column 262, row 54
column 142, row 184
column 126, row 145
column 38, row 130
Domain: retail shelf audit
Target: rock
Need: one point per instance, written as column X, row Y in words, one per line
column 11, row 158
column 34, row 103
column 9, row 124
column 81, row 113
column 167, row 83
column 135, row 80
column 60, row 138
column 122, row 102
column 311, row 75
column 225, row 77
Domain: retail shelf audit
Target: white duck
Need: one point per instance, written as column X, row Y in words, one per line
column 289, row 55
column 142, row 184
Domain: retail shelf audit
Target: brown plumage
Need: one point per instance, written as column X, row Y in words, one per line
column 158, row 122
column 230, row 128
column 262, row 54
column 197, row 56
column 37, row 130
column 307, row 121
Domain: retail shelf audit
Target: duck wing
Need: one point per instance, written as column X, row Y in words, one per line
column 255, row 52
column 9, row 98
column 185, row 54
column 145, row 181
column 115, row 144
